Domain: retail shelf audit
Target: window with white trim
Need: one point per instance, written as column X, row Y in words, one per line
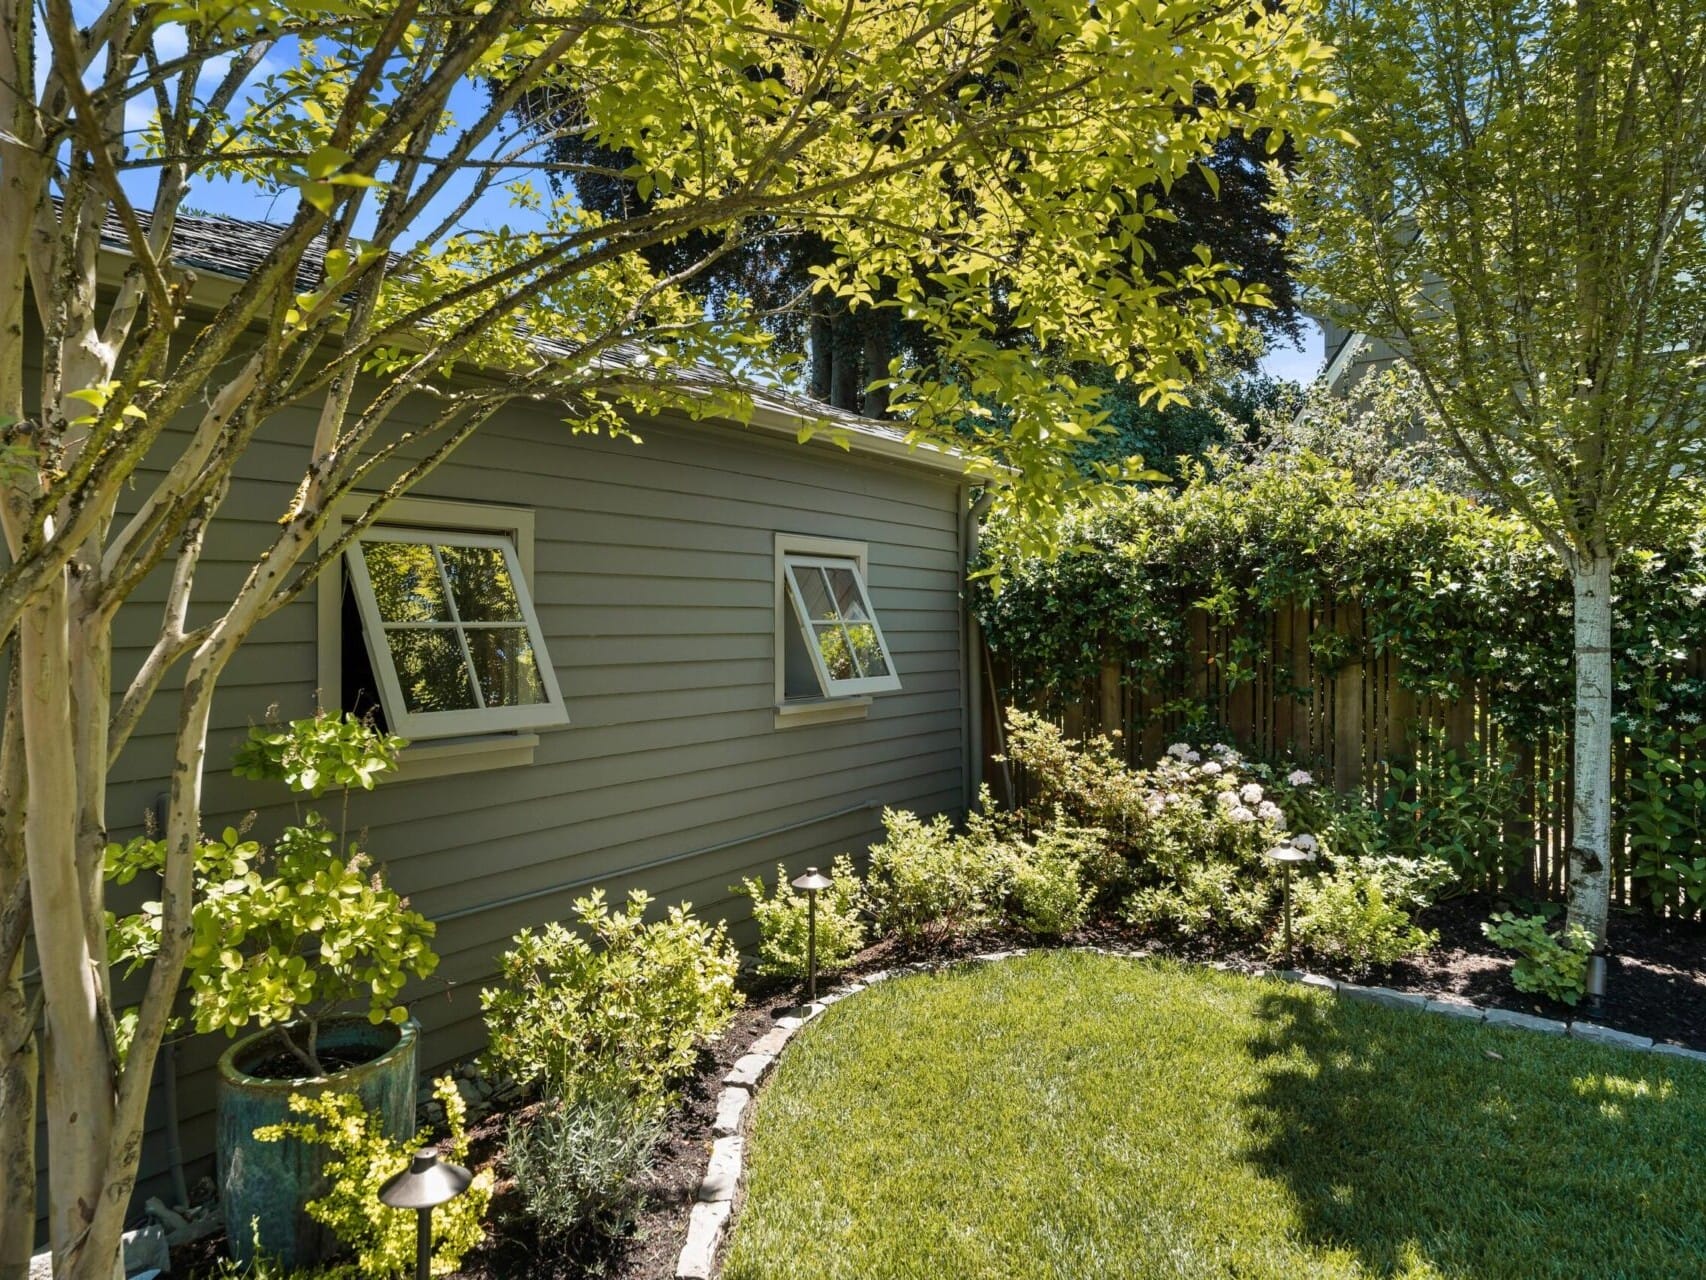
column 831, row 645
column 452, row 643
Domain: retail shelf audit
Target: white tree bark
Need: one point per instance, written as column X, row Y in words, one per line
column 1590, row 810
column 19, row 1063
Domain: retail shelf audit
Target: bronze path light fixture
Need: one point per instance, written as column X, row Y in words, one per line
column 427, row 1183
column 811, row 882
column 1289, row 855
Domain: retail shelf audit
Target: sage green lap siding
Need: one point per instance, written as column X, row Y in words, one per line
column 652, row 582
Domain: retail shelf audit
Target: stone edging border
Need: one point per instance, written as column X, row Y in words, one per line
column 714, row 1199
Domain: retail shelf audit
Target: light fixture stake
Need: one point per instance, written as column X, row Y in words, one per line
column 811, row 882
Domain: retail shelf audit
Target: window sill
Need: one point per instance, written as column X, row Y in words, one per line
column 449, row 756
column 790, row 715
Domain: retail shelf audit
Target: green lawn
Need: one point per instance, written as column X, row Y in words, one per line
column 1080, row 1116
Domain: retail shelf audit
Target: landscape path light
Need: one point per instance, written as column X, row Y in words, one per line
column 811, row 882
column 1288, row 855
column 427, row 1183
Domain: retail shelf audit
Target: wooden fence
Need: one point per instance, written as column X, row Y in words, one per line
column 1347, row 724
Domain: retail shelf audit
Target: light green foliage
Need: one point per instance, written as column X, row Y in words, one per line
column 359, row 1158
column 313, row 756
column 1069, row 1115
column 1514, row 214
column 927, row 877
column 1356, row 913
column 579, row 1163
column 619, row 1003
column 1046, row 892
column 1552, row 964
column 782, row 921
column 296, row 930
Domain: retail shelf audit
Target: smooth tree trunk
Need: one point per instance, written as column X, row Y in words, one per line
column 1590, row 810
column 19, row 1062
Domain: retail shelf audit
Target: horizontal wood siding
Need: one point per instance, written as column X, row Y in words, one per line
column 652, row 581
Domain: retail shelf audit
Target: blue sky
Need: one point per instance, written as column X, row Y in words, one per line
column 1298, row 364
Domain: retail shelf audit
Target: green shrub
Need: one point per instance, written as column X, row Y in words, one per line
column 630, row 1011
column 925, row 876
column 1457, row 805
column 1552, row 965
column 1046, row 893
column 579, row 1164
column 360, row 1158
column 296, row 931
column 782, row 920
column 1357, row 913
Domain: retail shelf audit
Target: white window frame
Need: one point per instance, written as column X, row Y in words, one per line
column 482, row 748
column 847, row 699
column 416, row 725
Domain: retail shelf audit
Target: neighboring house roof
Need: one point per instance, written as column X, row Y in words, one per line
column 232, row 248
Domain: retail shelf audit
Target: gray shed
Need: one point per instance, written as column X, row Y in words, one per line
column 677, row 731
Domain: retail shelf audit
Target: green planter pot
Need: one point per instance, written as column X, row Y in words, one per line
column 265, row 1186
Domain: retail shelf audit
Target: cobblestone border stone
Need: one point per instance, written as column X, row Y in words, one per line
column 719, row 1190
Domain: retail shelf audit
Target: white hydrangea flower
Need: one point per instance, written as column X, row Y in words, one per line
column 1251, row 793
column 1300, row 778
column 1190, row 757
column 1238, row 813
column 1227, row 799
column 1179, row 750
column 1268, row 811
column 1209, row 769
column 1306, row 842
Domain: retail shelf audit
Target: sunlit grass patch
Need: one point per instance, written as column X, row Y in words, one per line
column 1078, row 1116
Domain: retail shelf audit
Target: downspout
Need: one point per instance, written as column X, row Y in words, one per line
column 970, row 535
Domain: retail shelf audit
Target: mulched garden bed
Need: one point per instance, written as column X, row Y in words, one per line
column 1656, row 986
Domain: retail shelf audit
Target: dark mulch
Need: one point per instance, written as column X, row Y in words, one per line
column 514, row 1249
column 1655, row 972
column 1656, row 986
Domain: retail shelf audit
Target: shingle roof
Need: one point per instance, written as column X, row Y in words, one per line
column 235, row 247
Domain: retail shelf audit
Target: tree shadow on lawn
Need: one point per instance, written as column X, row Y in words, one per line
column 1428, row 1145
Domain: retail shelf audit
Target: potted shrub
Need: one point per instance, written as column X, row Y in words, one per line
column 288, row 939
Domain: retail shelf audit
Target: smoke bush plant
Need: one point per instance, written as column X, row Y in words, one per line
column 782, row 921
column 360, row 1158
column 625, row 1007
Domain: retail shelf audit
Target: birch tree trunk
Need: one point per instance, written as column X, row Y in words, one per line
column 19, row 1064
column 1590, row 810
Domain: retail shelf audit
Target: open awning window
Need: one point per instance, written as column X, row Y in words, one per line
column 832, row 611
column 451, row 632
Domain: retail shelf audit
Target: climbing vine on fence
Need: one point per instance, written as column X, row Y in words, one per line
column 1455, row 602
column 1458, row 594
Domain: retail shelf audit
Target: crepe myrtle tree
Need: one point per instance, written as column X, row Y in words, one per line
column 1521, row 216
column 992, row 149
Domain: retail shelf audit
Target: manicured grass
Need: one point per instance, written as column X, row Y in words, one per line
column 1075, row 1116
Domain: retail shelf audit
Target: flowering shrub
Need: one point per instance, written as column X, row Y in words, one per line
column 1186, row 841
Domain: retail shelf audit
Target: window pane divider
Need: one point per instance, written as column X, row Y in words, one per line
column 461, row 637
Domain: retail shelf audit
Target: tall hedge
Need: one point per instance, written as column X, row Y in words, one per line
column 1455, row 592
